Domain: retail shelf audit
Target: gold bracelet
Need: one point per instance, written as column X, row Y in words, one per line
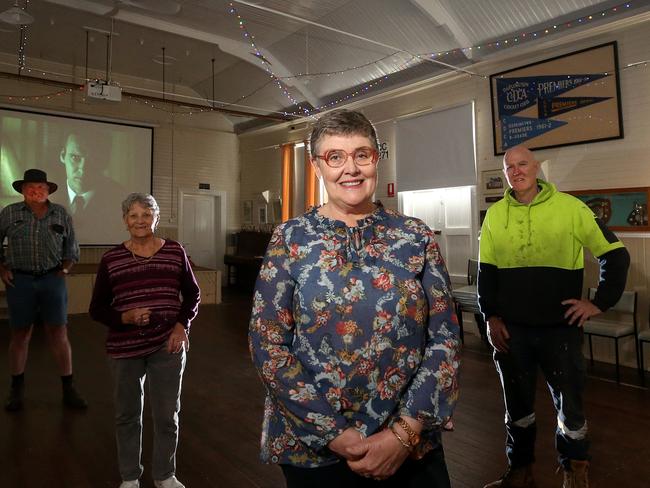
column 414, row 438
column 406, row 445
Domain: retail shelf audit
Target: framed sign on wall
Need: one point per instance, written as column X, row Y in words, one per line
column 247, row 212
column 261, row 213
column 569, row 99
column 493, row 182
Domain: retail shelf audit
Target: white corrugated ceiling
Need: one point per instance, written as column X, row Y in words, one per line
column 321, row 50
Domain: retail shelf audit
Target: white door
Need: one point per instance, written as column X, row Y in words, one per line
column 199, row 232
column 448, row 211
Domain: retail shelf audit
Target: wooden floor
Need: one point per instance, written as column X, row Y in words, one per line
column 47, row 446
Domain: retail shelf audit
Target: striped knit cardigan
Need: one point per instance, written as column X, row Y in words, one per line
column 163, row 283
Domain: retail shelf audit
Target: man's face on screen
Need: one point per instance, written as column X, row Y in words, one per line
column 76, row 159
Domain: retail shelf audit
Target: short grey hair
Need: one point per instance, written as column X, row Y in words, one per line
column 143, row 199
column 342, row 122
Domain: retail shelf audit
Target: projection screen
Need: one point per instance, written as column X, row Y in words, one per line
column 94, row 163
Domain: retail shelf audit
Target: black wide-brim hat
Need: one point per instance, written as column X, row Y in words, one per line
column 34, row 176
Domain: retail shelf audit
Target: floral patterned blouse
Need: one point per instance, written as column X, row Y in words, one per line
column 351, row 327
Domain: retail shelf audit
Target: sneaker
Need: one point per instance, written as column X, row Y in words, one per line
column 171, row 482
column 72, row 398
column 15, row 399
column 130, row 484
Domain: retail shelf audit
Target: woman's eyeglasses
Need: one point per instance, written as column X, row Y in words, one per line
column 362, row 156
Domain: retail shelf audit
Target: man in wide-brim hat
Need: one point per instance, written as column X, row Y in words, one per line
column 41, row 250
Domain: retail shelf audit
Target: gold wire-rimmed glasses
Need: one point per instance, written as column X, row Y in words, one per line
column 362, row 156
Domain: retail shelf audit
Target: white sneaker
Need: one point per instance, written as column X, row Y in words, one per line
column 169, row 483
column 130, row 484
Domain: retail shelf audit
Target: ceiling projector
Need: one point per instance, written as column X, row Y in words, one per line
column 103, row 90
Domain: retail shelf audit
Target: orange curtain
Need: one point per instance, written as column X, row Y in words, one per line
column 287, row 181
column 311, row 182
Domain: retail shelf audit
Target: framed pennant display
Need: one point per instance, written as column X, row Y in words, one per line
column 570, row 99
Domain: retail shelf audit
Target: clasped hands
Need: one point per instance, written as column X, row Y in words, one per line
column 137, row 316
column 378, row 456
column 178, row 339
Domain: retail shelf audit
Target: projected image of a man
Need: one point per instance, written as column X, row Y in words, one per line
column 75, row 156
column 87, row 185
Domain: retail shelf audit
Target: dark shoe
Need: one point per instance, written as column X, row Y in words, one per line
column 72, row 398
column 577, row 476
column 521, row 477
column 15, row 399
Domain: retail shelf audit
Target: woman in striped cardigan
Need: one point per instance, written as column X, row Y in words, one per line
column 147, row 296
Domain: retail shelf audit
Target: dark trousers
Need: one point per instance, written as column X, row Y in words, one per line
column 428, row 472
column 164, row 374
column 558, row 352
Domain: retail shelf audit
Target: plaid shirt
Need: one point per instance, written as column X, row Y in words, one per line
column 34, row 244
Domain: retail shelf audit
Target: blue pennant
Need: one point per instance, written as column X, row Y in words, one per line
column 550, row 107
column 517, row 130
column 517, row 94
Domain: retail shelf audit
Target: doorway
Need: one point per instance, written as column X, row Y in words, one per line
column 448, row 212
column 202, row 226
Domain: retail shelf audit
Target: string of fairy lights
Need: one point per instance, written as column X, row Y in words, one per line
column 277, row 80
column 415, row 58
column 536, row 34
column 22, row 45
column 310, row 75
column 162, row 106
column 42, row 96
column 265, row 64
column 301, row 108
column 143, row 99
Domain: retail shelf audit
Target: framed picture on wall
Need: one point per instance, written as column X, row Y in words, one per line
column 493, row 198
column 493, row 182
column 621, row 209
column 262, row 214
column 569, row 99
column 247, row 212
column 276, row 208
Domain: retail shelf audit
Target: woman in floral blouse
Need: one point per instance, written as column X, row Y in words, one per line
column 353, row 331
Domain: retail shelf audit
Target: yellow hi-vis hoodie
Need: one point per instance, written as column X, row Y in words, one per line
column 531, row 257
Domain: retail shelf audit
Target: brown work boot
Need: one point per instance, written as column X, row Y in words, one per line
column 521, row 477
column 576, row 477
